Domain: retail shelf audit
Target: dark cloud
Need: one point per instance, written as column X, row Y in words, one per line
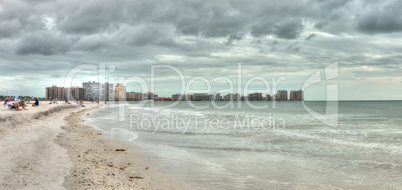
column 43, row 43
column 151, row 34
column 91, row 17
column 311, row 36
column 233, row 38
column 8, row 28
column 381, row 19
column 257, row 41
column 17, row 18
column 286, row 30
column 294, row 47
column 320, row 25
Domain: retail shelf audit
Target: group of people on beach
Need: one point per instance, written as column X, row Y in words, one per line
column 78, row 101
column 18, row 104
column 54, row 101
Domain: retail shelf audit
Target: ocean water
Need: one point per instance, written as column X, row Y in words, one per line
column 278, row 147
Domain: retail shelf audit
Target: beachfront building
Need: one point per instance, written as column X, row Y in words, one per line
column 98, row 91
column 243, row 98
column 75, row 93
column 164, row 99
column 190, row 97
column 296, row 95
column 281, row 95
column 255, row 97
column 120, row 92
column 55, row 92
column 268, row 97
column 106, row 92
column 129, row 96
column 202, row 97
column 149, row 96
column 92, row 89
column 133, row 96
column 216, row 97
column 179, row 97
column 138, row 96
column 232, row 97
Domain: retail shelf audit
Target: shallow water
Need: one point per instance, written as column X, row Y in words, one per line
column 297, row 152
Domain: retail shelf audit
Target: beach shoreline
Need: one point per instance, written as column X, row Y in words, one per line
column 104, row 163
column 51, row 148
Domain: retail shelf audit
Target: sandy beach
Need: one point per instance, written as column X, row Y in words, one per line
column 48, row 147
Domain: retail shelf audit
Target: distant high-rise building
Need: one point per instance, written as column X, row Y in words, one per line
column 216, row 97
column 281, row 95
column 197, row 95
column 138, row 96
column 55, row 92
column 179, row 97
column 203, row 97
column 98, row 91
column 120, row 92
column 62, row 93
column 107, row 91
column 75, row 93
column 149, row 96
column 236, row 97
column 129, row 96
column 255, row 97
column 190, row 97
column 268, row 97
column 133, row 96
column 297, row 95
column 232, row 97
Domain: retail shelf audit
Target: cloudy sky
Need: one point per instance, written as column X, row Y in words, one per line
column 41, row 41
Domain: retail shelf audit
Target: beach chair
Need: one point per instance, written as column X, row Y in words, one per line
column 23, row 104
column 11, row 107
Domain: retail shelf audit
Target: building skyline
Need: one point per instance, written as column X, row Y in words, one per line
column 93, row 90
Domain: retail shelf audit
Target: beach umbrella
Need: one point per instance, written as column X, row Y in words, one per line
column 16, row 98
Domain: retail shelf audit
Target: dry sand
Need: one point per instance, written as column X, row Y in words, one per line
column 48, row 147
